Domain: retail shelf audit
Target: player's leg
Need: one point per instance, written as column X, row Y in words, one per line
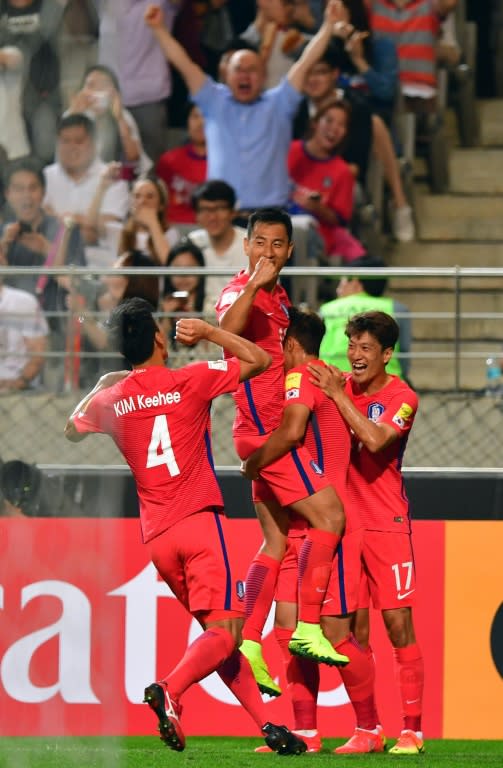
column 390, row 564
column 261, row 583
column 324, row 510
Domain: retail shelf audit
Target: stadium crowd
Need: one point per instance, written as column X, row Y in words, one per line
column 281, row 103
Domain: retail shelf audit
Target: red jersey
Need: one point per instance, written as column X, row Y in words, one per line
column 182, row 170
column 327, row 437
column 259, row 401
column 375, row 479
column 331, row 178
column 160, row 420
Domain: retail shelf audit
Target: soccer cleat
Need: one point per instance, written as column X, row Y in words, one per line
column 313, row 743
column 279, row 739
column 253, row 652
column 362, row 742
column 380, row 731
column 168, row 713
column 409, row 743
column 309, row 642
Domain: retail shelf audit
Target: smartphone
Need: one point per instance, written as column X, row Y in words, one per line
column 24, row 227
column 180, row 295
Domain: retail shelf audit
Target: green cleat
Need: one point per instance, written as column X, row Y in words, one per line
column 253, row 652
column 309, row 642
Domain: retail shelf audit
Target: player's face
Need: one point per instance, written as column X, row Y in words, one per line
column 269, row 241
column 367, row 359
column 24, row 195
column 245, row 76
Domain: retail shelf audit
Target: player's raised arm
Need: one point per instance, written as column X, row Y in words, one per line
column 175, row 53
column 375, row 436
column 253, row 360
column 107, row 380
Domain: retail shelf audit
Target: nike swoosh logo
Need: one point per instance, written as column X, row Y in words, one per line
column 401, row 596
column 413, row 701
column 327, row 601
column 321, row 590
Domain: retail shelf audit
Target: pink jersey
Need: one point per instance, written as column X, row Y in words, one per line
column 259, row 401
column 375, row 479
column 327, row 438
column 160, row 420
column 182, row 170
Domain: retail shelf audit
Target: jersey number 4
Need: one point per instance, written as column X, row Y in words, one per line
column 160, row 450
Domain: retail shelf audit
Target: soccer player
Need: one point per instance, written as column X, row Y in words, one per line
column 159, row 419
column 255, row 306
column 312, row 418
column 380, row 409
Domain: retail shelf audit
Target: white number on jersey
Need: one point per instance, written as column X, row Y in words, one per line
column 161, row 438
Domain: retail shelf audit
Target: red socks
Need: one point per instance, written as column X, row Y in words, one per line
column 409, row 671
column 303, row 677
column 237, row 675
column 260, row 588
column 201, row 658
column 315, row 565
column 359, row 680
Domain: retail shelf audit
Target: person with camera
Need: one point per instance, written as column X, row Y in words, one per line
column 183, row 294
column 117, row 134
column 20, row 485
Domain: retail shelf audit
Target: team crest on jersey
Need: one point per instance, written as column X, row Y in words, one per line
column 291, row 394
column 402, row 416
column 374, row 411
column 217, row 365
column 315, row 467
column 240, row 590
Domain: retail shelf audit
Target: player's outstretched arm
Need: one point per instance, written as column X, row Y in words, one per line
column 236, row 316
column 252, row 358
column 374, row 436
column 175, row 53
column 285, row 437
column 107, row 380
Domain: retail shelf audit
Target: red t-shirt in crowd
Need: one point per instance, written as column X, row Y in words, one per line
column 160, row 420
column 182, row 170
column 375, row 479
column 259, row 401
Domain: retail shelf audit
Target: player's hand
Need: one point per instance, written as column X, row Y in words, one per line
column 248, row 470
column 153, row 17
column 329, row 379
column 265, row 272
column 190, row 330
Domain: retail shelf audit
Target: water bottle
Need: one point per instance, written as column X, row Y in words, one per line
column 493, row 376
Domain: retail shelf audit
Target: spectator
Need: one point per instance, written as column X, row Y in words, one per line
column 32, row 238
column 248, row 131
column 20, row 485
column 146, row 228
column 324, row 182
column 23, row 339
column 33, row 27
column 125, row 46
column 220, row 241
column 183, row 168
column 14, row 136
column 368, row 131
column 183, row 293
column 117, row 135
column 80, row 184
column 361, row 294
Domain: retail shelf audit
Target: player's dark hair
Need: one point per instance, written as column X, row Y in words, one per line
column 307, row 328
column 380, row 325
column 131, row 329
column 270, row 216
column 374, row 286
column 214, row 190
column 20, row 485
column 26, row 165
column 77, row 119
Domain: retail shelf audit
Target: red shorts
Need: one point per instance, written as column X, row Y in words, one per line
column 193, row 559
column 389, row 574
column 293, row 477
column 344, row 586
